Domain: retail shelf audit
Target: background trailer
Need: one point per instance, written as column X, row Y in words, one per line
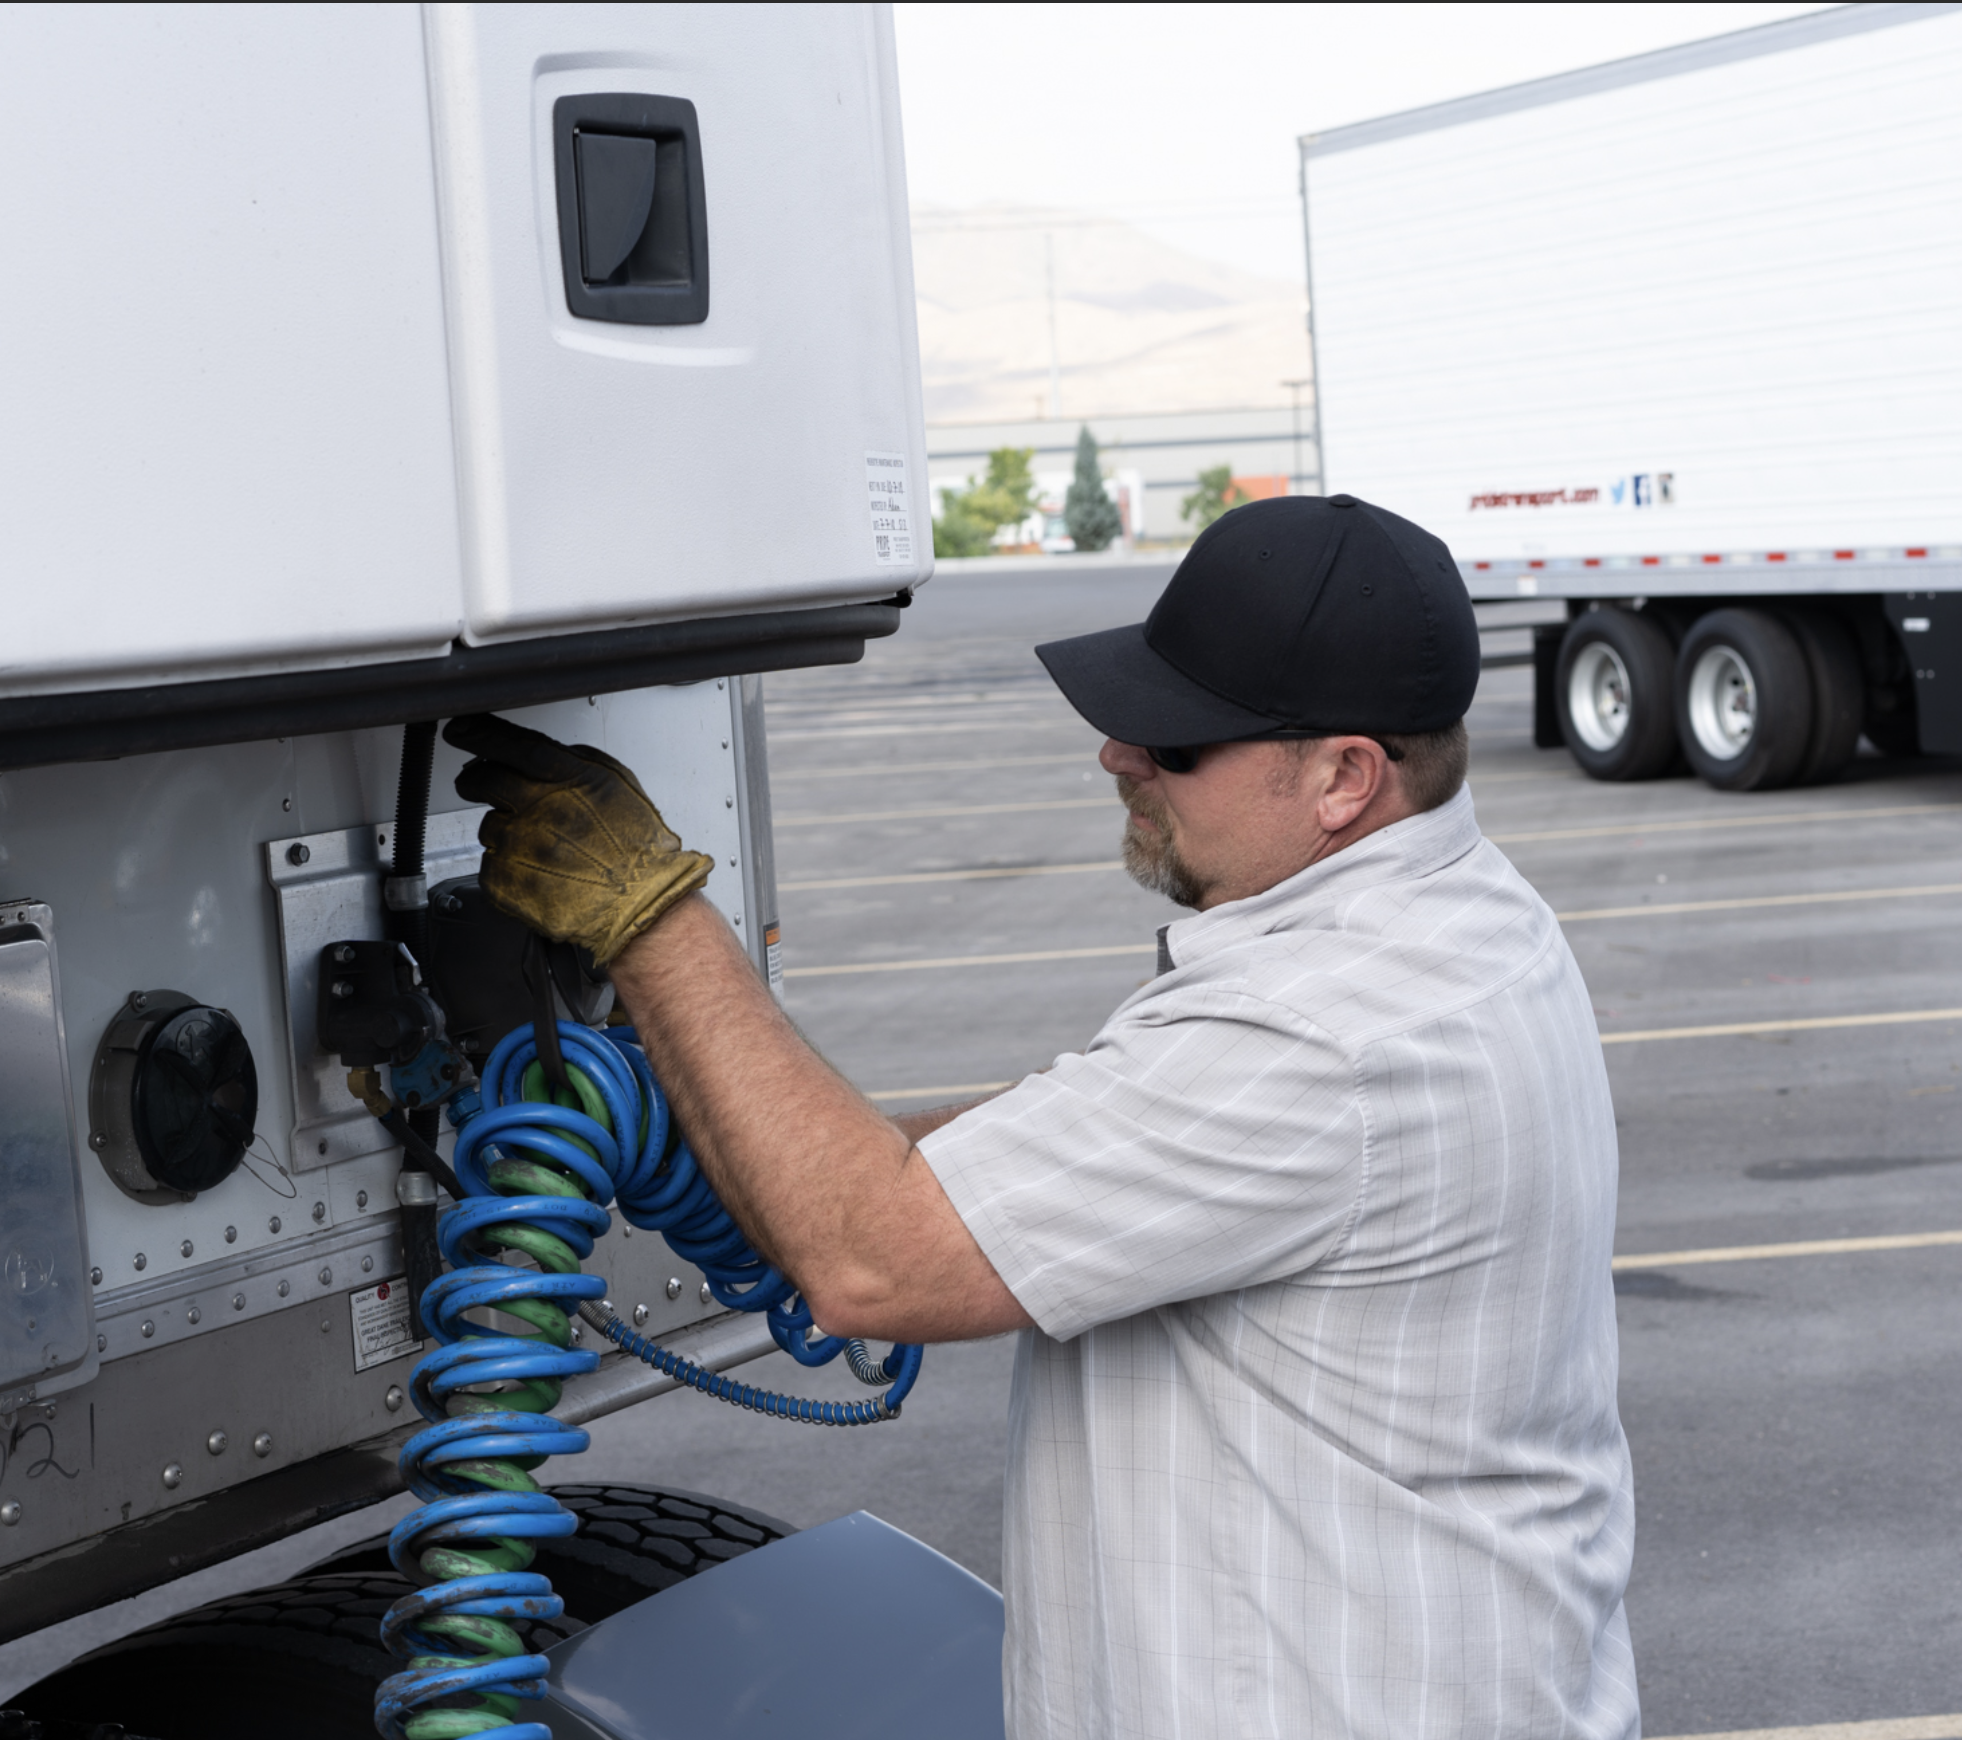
column 1678, row 340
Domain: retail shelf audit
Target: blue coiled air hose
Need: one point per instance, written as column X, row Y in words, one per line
column 537, row 1174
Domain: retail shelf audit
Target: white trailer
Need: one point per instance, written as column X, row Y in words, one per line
column 367, row 366
column 1677, row 340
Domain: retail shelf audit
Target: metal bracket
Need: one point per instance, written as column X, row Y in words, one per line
column 328, row 887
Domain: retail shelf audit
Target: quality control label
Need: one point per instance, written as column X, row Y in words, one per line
column 381, row 1323
column 892, row 509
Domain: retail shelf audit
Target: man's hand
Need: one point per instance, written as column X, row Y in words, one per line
column 572, row 845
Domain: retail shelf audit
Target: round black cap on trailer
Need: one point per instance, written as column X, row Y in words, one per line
column 196, row 1098
column 1305, row 613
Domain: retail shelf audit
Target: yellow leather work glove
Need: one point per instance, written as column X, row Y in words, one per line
column 572, row 845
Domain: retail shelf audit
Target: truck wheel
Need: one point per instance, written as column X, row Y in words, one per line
column 302, row 1660
column 1839, row 694
column 1743, row 700
column 1611, row 689
column 632, row 1542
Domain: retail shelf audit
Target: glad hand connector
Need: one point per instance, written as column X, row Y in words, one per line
column 374, row 1010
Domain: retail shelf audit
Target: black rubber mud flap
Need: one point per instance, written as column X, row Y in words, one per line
column 1547, row 637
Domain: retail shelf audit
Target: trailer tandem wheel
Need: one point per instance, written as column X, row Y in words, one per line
column 1839, row 694
column 1743, row 700
column 1612, row 692
column 302, row 1659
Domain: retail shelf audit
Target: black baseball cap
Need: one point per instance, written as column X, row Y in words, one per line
column 1310, row 614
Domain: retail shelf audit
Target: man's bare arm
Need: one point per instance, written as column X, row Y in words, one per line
column 831, row 1190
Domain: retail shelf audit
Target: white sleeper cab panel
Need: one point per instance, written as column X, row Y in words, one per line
column 618, row 473
column 290, row 281
column 225, row 429
column 1705, row 301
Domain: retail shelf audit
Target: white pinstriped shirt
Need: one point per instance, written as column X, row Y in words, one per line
column 1317, row 1436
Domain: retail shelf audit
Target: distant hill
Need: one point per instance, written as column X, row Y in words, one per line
column 1140, row 326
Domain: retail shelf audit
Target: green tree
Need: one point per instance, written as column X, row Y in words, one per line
column 969, row 518
column 1212, row 498
column 958, row 531
column 1007, row 493
column 1089, row 513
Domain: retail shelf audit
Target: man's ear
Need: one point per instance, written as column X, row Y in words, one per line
column 1357, row 771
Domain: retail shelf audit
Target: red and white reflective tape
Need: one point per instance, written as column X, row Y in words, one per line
column 1689, row 572
column 1806, row 558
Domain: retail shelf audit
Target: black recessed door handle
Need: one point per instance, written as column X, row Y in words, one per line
column 616, row 194
column 633, row 208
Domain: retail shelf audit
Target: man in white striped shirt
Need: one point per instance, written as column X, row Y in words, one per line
column 1313, row 1422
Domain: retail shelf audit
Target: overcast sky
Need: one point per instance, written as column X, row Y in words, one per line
column 1182, row 118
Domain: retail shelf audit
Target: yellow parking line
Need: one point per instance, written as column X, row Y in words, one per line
column 1690, row 824
column 1802, row 1248
column 953, row 875
column 957, row 1091
column 876, row 767
column 1150, row 948
column 1660, row 909
column 1807, row 1024
column 1894, row 1728
column 1070, row 723
column 1749, row 901
column 1680, row 825
column 1663, row 909
column 1107, row 802
column 829, row 715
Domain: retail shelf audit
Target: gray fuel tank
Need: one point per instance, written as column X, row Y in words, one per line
column 849, row 1631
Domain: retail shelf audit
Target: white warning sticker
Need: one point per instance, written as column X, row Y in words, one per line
column 892, row 509
column 381, row 1323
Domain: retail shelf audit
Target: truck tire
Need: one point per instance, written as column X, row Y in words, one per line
column 1839, row 694
column 302, row 1659
column 632, row 1542
column 1612, row 693
column 1743, row 700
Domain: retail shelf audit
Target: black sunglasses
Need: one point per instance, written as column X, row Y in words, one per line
column 1185, row 758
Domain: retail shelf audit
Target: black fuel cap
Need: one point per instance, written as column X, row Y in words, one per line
column 196, row 1099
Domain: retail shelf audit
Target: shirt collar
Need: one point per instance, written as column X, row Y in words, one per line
column 1418, row 845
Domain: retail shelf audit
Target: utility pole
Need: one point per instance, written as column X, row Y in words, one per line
column 1294, row 387
column 1055, row 355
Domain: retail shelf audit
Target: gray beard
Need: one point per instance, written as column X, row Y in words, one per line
column 1154, row 863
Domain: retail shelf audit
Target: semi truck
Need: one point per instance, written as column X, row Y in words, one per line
column 366, row 367
column 1676, row 342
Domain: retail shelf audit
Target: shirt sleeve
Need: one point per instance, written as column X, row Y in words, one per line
column 1207, row 1140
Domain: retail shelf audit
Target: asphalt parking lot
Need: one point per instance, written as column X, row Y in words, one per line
column 1776, row 978
column 953, row 918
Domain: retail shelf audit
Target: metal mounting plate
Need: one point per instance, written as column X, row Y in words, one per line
column 328, row 887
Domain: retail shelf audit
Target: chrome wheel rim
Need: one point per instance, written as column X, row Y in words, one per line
column 1597, row 696
column 1723, row 703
